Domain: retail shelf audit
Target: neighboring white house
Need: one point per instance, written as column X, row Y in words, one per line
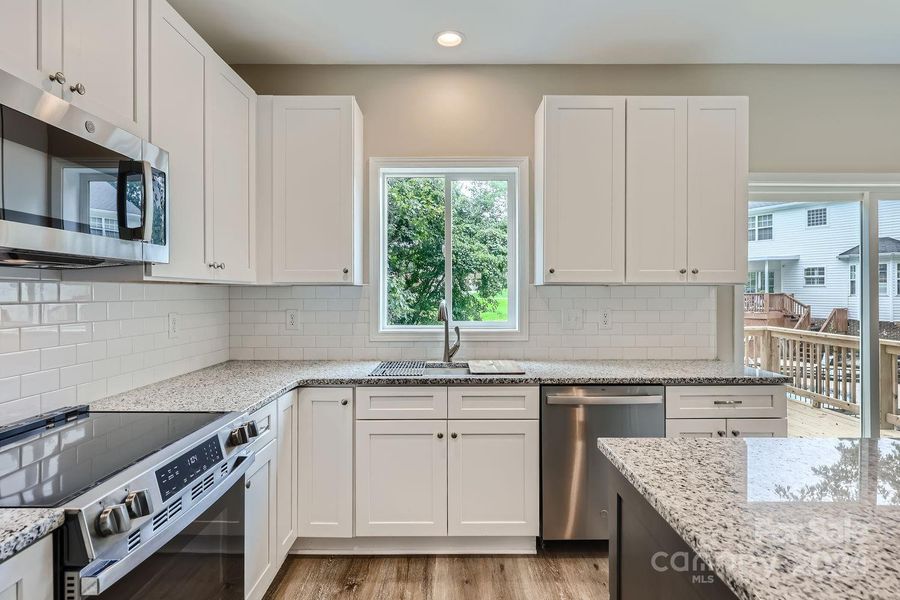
column 812, row 252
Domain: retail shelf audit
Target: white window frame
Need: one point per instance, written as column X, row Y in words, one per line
column 883, row 286
column 517, row 167
column 753, row 227
column 854, row 282
column 806, row 277
column 824, row 209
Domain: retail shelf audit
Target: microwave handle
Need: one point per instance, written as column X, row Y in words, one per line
column 146, row 231
column 144, row 169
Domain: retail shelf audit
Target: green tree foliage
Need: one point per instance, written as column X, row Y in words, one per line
column 415, row 240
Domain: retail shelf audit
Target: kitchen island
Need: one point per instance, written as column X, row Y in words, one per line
column 754, row 518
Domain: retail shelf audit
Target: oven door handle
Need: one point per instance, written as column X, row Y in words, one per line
column 98, row 582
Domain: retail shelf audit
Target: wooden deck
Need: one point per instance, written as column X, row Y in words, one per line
column 806, row 421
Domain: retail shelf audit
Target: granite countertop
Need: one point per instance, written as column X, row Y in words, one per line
column 784, row 519
column 249, row 385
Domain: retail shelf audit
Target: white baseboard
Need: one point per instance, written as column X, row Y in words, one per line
column 415, row 545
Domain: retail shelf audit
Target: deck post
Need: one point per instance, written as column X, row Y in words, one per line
column 887, row 369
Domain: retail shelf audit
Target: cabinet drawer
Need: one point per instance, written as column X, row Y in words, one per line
column 726, row 401
column 265, row 423
column 493, row 402
column 401, row 402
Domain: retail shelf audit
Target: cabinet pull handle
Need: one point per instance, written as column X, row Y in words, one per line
column 58, row 77
column 735, row 432
column 440, row 436
column 683, row 271
column 247, row 485
column 78, row 88
column 695, row 270
column 453, row 435
column 721, row 433
column 344, row 402
column 346, row 270
column 727, row 402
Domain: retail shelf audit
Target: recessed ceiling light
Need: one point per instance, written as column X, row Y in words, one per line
column 449, row 39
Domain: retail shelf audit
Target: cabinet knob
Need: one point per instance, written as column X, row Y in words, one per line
column 440, row 436
column 552, row 270
column 721, row 433
column 683, row 271
column 735, row 432
column 453, row 435
column 247, row 485
column 345, row 402
column 212, row 265
column 695, row 270
column 78, row 88
column 58, row 77
column 346, row 270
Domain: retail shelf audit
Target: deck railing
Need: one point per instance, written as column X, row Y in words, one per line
column 786, row 304
column 824, row 367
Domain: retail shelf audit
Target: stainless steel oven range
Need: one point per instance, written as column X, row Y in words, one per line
column 76, row 191
column 154, row 502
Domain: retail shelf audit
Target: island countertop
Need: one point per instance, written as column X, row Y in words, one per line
column 785, row 518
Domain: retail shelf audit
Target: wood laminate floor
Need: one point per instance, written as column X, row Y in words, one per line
column 559, row 573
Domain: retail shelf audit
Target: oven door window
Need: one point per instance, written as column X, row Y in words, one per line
column 52, row 178
column 205, row 560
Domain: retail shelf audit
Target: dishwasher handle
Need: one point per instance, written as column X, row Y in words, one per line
column 572, row 399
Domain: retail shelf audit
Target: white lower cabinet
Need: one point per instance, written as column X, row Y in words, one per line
column 756, row 427
column 325, row 463
column 286, row 485
column 726, row 411
column 493, row 478
column 702, row 428
column 28, row 575
column 726, row 428
column 401, row 478
column 260, row 562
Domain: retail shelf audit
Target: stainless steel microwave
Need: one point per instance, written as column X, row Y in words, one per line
column 76, row 191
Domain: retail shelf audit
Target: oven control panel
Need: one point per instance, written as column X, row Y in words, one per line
column 179, row 473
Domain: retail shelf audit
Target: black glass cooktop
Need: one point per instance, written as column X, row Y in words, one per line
column 49, row 460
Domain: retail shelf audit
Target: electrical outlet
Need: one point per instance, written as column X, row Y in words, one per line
column 291, row 319
column 605, row 319
column 572, row 318
column 174, row 326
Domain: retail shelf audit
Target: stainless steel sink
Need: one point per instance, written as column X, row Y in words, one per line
column 440, row 368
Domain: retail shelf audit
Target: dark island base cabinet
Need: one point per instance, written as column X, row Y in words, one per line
column 647, row 559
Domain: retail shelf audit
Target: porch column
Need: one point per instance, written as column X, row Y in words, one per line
column 766, row 278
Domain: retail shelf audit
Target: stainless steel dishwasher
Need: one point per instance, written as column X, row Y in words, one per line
column 573, row 482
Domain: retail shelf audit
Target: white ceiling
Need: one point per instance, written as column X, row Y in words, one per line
column 548, row 31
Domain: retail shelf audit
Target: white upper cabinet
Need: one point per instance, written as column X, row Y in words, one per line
column 717, row 189
column 316, row 190
column 230, row 174
column 641, row 189
column 178, row 64
column 656, row 190
column 31, row 41
column 580, row 189
column 105, row 49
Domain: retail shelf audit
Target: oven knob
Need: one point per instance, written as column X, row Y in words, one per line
column 112, row 520
column 252, row 429
column 139, row 504
column 239, row 436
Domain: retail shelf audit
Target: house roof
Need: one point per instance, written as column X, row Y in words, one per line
column 886, row 245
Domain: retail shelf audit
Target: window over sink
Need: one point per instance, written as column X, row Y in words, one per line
column 448, row 229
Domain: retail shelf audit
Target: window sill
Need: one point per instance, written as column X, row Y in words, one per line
column 437, row 335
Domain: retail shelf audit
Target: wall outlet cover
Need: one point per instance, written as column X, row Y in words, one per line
column 605, row 320
column 174, row 326
column 291, row 319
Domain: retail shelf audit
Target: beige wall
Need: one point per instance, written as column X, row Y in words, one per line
column 802, row 118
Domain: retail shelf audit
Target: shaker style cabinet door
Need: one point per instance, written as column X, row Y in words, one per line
column 105, row 51
column 316, row 190
column 179, row 59
column 31, row 42
column 260, row 562
column 656, row 190
column 325, row 463
column 717, row 189
column 702, row 428
column 580, row 189
column 28, row 575
column 231, row 173
column 493, row 478
column 401, row 478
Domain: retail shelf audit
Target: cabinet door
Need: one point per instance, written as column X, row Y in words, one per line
column 29, row 574
column 493, row 478
column 757, row 427
column 581, row 203
column 401, row 478
column 230, row 173
column 656, row 190
column 325, row 464
column 717, row 189
column 286, row 506
column 105, row 48
column 31, row 41
column 179, row 60
column 706, row 428
column 316, row 197
column 260, row 562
